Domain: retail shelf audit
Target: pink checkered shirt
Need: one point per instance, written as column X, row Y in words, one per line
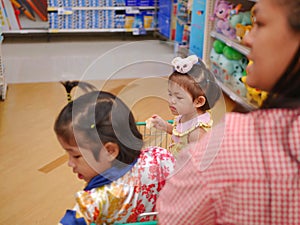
column 245, row 171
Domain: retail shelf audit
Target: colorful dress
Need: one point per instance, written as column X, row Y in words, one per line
column 125, row 198
column 181, row 131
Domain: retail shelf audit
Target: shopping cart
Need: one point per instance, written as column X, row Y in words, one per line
column 154, row 137
column 153, row 222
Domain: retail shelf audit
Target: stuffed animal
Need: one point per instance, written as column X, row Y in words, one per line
column 221, row 13
column 237, row 85
column 224, row 28
column 219, row 46
column 226, row 66
column 253, row 94
column 243, row 18
column 231, row 53
column 221, row 10
column 238, row 72
column 241, row 31
column 214, row 56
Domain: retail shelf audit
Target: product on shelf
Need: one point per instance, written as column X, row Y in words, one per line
column 229, row 66
column 254, row 95
column 232, row 21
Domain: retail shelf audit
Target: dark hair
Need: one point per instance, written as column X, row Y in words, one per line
column 285, row 93
column 199, row 81
column 96, row 118
column 69, row 85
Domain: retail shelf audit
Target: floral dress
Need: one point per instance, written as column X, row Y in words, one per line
column 124, row 199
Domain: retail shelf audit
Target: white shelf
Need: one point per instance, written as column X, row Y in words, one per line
column 231, row 43
column 102, row 8
column 26, row 31
column 97, row 30
column 240, row 100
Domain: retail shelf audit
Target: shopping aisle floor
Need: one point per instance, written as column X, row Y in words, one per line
column 84, row 58
column 37, row 185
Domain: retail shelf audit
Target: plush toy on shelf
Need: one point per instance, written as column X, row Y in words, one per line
column 215, row 53
column 240, row 21
column 221, row 13
column 241, row 31
column 253, row 94
column 243, row 18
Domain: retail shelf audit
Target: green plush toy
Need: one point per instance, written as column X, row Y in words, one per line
column 219, row 46
column 231, row 53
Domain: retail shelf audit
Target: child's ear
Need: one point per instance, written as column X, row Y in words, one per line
column 112, row 149
column 199, row 101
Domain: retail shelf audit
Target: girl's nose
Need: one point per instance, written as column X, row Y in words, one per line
column 70, row 162
column 171, row 99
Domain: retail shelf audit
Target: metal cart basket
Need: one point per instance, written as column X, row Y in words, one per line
column 154, row 137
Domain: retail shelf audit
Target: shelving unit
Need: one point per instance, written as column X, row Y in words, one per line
column 231, row 43
column 88, row 16
column 136, row 16
column 165, row 18
column 183, row 23
column 3, row 84
column 211, row 35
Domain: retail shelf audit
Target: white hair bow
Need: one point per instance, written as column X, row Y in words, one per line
column 184, row 65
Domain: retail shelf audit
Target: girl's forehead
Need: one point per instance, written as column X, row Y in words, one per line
column 176, row 88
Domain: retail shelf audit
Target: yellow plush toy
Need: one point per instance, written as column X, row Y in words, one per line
column 241, row 31
column 254, row 94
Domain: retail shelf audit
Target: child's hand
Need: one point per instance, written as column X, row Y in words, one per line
column 159, row 123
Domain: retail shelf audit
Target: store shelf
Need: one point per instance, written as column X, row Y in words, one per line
column 133, row 30
column 3, row 90
column 26, row 31
column 231, row 43
column 50, row 9
column 238, row 99
column 3, row 84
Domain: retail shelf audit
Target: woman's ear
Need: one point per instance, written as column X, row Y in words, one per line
column 112, row 150
column 199, row 101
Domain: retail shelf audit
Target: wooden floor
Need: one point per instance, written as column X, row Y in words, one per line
column 36, row 184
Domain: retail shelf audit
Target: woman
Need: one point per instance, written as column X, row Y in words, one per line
column 247, row 169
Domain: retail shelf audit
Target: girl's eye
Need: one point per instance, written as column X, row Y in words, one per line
column 76, row 156
column 179, row 98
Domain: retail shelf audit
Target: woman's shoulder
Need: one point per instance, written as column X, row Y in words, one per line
column 260, row 117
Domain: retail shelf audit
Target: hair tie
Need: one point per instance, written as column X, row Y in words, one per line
column 69, row 97
column 184, row 65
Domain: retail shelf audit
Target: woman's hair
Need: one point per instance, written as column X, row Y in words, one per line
column 199, row 81
column 285, row 93
column 96, row 118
